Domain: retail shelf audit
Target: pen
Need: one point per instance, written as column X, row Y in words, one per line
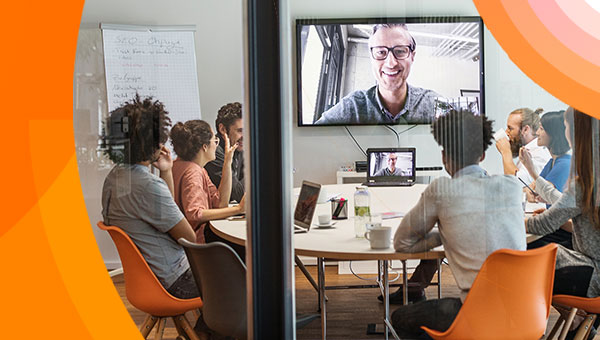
column 533, row 192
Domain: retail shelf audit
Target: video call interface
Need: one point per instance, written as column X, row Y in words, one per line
column 391, row 164
column 334, row 60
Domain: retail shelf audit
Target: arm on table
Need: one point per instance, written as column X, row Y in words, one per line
column 550, row 220
column 414, row 233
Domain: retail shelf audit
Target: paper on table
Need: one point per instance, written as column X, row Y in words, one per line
column 391, row 214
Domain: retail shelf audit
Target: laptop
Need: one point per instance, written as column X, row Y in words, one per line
column 391, row 167
column 305, row 207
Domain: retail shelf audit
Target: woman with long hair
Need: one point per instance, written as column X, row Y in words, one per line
column 200, row 201
column 578, row 270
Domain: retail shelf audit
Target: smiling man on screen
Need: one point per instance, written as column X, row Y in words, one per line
column 392, row 101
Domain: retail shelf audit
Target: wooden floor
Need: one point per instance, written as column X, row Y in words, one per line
column 348, row 311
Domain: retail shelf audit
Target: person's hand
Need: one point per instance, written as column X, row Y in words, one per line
column 539, row 199
column 531, row 198
column 164, row 161
column 503, row 146
column 242, row 205
column 228, row 150
column 538, row 211
column 527, row 161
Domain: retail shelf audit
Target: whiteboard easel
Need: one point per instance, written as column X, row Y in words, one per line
column 157, row 61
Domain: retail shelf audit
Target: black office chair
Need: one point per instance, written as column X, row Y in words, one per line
column 222, row 275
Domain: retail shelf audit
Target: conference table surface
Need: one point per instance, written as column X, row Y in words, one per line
column 339, row 241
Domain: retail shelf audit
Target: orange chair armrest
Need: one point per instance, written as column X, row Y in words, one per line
column 433, row 333
column 590, row 305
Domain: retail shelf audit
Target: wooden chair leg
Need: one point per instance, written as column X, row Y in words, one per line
column 196, row 313
column 160, row 330
column 183, row 323
column 563, row 333
column 585, row 328
column 180, row 330
column 556, row 327
column 147, row 325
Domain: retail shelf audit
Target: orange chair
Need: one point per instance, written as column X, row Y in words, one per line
column 146, row 293
column 510, row 298
column 590, row 305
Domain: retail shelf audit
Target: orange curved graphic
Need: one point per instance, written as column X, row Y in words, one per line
column 551, row 45
column 54, row 282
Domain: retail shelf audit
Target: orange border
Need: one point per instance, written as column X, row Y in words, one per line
column 54, row 282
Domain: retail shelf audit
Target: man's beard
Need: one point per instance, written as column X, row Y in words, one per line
column 515, row 146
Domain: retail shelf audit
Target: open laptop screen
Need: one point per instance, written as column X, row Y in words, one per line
column 391, row 164
column 307, row 202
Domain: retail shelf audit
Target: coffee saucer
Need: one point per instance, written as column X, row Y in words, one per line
column 325, row 226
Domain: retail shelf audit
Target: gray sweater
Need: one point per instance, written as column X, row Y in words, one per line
column 365, row 107
column 547, row 191
column 586, row 236
column 476, row 215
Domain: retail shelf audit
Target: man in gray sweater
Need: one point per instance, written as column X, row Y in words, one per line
column 475, row 214
column 229, row 122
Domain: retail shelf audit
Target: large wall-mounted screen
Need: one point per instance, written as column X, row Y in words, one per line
column 387, row 71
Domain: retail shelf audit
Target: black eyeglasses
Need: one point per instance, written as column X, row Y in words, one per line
column 216, row 140
column 399, row 52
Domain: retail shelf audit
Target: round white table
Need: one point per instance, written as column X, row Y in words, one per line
column 339, row 242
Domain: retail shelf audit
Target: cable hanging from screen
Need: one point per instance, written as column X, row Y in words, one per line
column 395, row 132
column 354, row 139
column 398, row 134
column 410, row 128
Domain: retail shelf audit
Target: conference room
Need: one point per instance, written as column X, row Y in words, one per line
column 323, row 282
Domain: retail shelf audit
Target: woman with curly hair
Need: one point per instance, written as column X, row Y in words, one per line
column 200, row 201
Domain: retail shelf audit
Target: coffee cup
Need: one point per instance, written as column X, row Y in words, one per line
column 500, row 134
column 324, row 219
column 379, row 237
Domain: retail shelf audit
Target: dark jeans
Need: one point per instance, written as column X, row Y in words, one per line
column 560, row 236
column 435, row 314
column 574, row 281
column 185, row 286
column 423, row 274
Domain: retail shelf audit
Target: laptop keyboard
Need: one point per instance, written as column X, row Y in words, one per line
column 389, row 184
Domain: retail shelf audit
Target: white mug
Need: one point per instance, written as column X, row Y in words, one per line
column 500, row 134
column 379, row 237
column 324, row 219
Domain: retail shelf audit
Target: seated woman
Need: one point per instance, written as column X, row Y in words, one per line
column 550, row 183
column 577, row 270
column 195, row 144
